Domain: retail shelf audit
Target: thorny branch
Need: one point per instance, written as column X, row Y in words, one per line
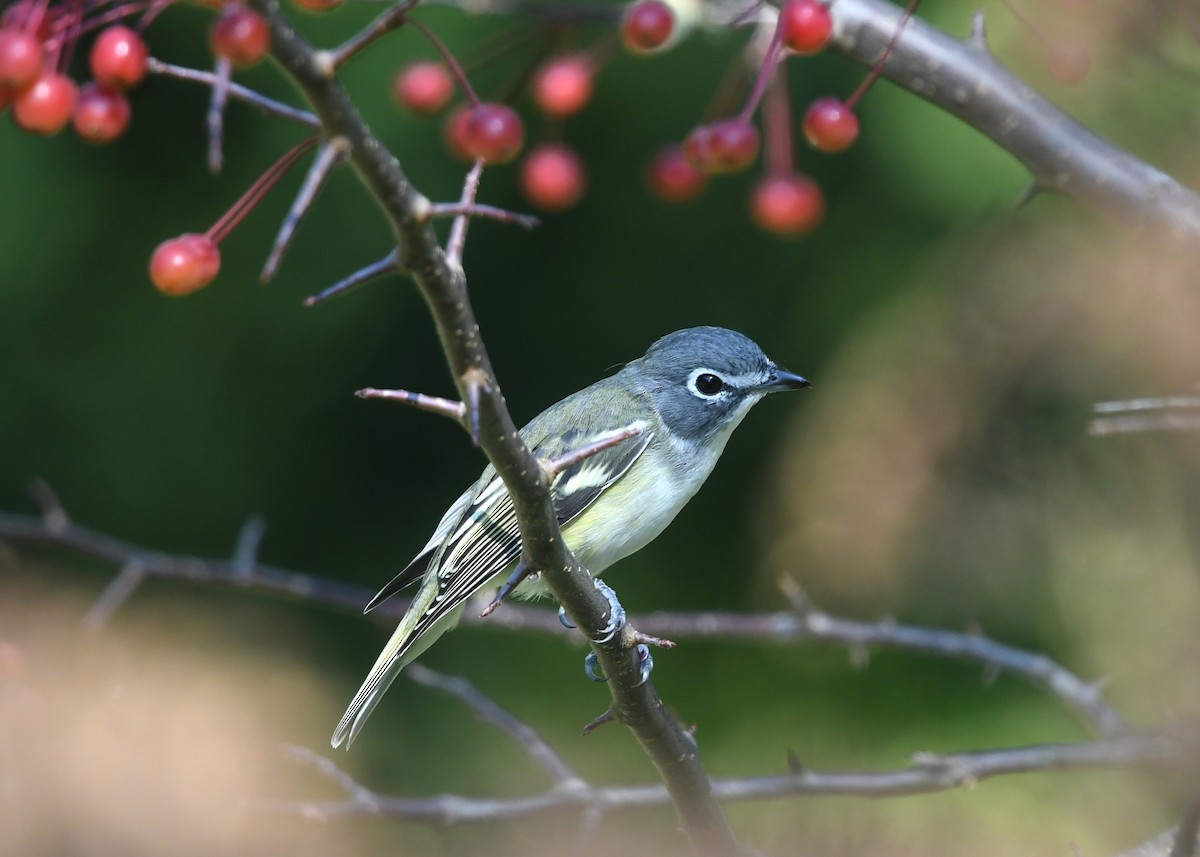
column 929, row 772
column 803, row 622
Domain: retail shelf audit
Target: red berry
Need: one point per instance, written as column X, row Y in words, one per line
column 672, row 178
column 240, row 35
column 493, row 132
column 181, row 265
column 45, row 107
column 423, row 87
column 101, row 113
column 118, row 58
column 454, row 132
column 318, row 5
column 20, row 59
column 647, row 25
column 722, row 147
column 830, row 126
column 563, row 85
column 807, row 25
column 553, row 177
column 787, row 204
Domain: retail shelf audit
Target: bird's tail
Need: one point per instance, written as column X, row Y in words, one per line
column 403, row 647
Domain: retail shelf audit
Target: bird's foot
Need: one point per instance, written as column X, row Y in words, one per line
column 616, row 614
column 565, row 619
column 591, row 665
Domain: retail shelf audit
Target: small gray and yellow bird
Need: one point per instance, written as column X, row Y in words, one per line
column 686, row 395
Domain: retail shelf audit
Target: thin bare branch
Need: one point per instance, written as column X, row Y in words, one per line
column 524, row 734
column 929, row 773
column 387, row 21
column 236, row 90
column 118, row 591
column 215, row 117
column 456, row 411
column 1165, row 413
column 797, row 625
column 458, row 230
column 490, row 212
column 329, row 155
column 555, row 466
column 389, row 264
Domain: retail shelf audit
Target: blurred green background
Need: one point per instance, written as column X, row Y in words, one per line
column 940, row 470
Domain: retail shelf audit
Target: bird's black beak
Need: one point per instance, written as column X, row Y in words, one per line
column 782, row 380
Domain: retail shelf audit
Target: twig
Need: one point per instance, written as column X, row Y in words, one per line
column 458, row 230
column 930, row 773
column 532, row 743
column 456, row 411
column 1166, row 413
column 778, row 627
column 236, row 90
column 491, row 212
column 245, row 550
column 329, row 155
column 118, row 591
column 555, row 466
column 389, row 264
column 215, row 117
column 387, row 21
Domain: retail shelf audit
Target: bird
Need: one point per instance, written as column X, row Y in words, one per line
column 683, row 397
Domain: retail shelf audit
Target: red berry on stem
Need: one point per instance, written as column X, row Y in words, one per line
column 493, row 132
column 722, row 147
column 101, row 113
column 553, row 177
column 240, row 35
column 32, row 16
column 423, row 87
column 20, row 59
column 672, row 178
column 182, row 265
column 118, row 58
column 787, row 204
column 830, row 126
column 45, row 107
column 454, row 132
column 647, row 25
column 807, row 25
column 563, row 85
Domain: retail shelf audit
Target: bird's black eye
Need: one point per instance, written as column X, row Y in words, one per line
column 709, row 384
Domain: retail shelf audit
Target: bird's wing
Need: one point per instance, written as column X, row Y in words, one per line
column 482, row 542
column 420, row 563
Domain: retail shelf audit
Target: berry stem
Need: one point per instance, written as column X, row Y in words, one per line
column 777, row 116
column 770, row 62
column 226, row 223
column 449, row 59
column 877, row 69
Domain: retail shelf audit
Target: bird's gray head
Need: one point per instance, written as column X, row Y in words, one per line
column 704, row 379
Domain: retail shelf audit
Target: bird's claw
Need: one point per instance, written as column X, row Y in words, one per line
column 565, row 619
column 616, row 614
column 591, row 665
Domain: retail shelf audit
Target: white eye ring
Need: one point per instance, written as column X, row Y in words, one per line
column 706, row 384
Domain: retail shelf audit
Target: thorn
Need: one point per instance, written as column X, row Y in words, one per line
column 245, row 550
column 491, row 212
column 474, row 380
column 607, row 717
column 647, row 639
column 794, row 594
column 555, row 466
column 215, row 118
column 329, row 156
column 458, row 230
column 978, row 37
column 515, row 579
column 1026, row 196
column 387, row 265
column 794, row 764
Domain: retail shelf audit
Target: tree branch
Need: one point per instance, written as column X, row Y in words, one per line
column 963, row 78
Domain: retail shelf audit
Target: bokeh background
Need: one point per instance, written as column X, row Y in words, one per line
column 939, row 471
